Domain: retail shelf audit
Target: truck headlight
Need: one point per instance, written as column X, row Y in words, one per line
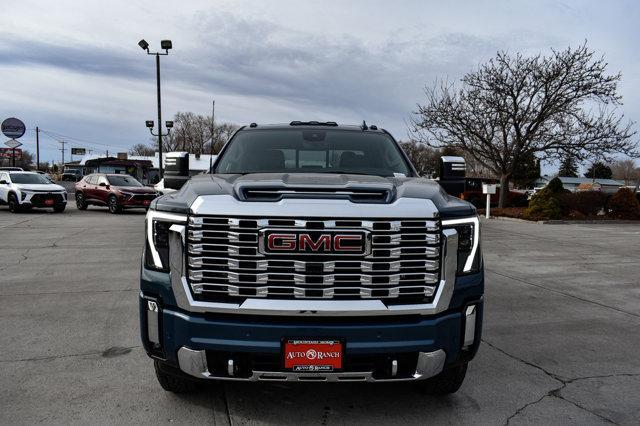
column 157, row 233
column 468, row 229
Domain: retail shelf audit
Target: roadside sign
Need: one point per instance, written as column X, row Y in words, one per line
column 12, row 143
column 13, row 128
column 78, row 151
column 488, row 188
column 9, row 152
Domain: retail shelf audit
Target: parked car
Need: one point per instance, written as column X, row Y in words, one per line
column 115, row 191
column 23, row 190
column 72, row 175
column 45, row 174
column 161, row 188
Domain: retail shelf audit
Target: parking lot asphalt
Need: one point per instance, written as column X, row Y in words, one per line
column 560, row 340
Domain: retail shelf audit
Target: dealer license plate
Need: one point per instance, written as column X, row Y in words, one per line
column 48, row 202
column 311, row 355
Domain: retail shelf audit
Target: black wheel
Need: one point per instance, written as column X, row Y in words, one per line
column 81, row 203
column 14, row 207
column 445, row 383
column 172, row 382
column 114, row 207
column 59, row 208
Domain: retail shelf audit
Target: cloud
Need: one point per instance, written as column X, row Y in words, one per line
column 84, row 75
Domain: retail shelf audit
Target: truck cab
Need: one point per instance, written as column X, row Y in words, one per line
column 312, row 252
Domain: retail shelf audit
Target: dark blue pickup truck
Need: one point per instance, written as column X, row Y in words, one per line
column 312, row 252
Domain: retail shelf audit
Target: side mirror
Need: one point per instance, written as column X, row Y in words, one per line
column 3, row 182
column 104, row 185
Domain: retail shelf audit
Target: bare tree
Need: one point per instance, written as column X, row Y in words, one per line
column 222, row 132
column 514, row 106
column 423, row 157
column 142, row 150
column 197, row 134
column 625, row 170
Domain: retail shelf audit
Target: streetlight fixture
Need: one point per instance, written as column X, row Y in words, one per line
column 165, row 45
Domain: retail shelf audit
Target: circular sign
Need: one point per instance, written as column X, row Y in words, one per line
column 13, row 128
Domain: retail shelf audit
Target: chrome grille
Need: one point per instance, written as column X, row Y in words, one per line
column 224, row 261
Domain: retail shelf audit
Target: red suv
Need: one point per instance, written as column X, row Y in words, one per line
column 114, row 191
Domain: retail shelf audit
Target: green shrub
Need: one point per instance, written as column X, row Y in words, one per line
column 544, row 205
column 555, row 186
column 624, row 205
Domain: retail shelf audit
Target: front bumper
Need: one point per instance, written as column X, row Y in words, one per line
column 204, row 346
column 229, row 341
column 40, row 199
column 136, row 201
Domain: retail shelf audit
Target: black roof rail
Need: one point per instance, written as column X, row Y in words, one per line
column 253, row 125
column 364, row 126
column 313, row 123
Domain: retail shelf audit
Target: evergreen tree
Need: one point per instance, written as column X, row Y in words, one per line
column 599, row 170
column 568, row 167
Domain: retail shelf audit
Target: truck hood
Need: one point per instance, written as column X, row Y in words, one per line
column 39, row 187
column 265, row 187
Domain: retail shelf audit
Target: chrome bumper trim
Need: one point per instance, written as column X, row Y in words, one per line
column 290, row 307
column 194, row 363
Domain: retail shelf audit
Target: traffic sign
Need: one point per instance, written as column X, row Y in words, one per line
column 13, row 128
column 12, row 143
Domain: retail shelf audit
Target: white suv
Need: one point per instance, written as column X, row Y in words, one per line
column 24, row 190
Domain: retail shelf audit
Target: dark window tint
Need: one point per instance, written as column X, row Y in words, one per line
column 29, row 178
column 123, row 181
column 316, row 151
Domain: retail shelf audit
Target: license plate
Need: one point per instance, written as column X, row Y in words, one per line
column 48, row 202
column 312, row 355
column 146, row 202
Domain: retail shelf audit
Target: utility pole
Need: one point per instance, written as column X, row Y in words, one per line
column 166, row 45
column 213, row 128
column 62, row 149
column 37, row 148
column 159, row 116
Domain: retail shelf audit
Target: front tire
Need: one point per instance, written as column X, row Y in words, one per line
column 445, row 383
column 14, row 206
column 172, row 382
column 114, row 206
column 81, row 203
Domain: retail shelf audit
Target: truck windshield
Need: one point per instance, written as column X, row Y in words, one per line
column 29, row 178
column 123, row 181
column 313, row 151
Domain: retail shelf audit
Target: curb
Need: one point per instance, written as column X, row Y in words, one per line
column 510, row 219
column 565, row 222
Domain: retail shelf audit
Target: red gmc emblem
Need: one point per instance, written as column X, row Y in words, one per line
column 315, row 242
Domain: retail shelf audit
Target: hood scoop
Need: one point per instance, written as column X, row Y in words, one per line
column 357, row 189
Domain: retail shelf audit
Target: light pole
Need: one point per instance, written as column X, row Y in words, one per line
column 166, row 45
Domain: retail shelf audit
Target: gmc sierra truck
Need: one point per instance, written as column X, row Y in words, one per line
column 313, row 252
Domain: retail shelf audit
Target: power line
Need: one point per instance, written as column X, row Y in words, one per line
column 58, row 138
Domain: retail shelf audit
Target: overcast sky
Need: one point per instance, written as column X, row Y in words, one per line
column 74, row 69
